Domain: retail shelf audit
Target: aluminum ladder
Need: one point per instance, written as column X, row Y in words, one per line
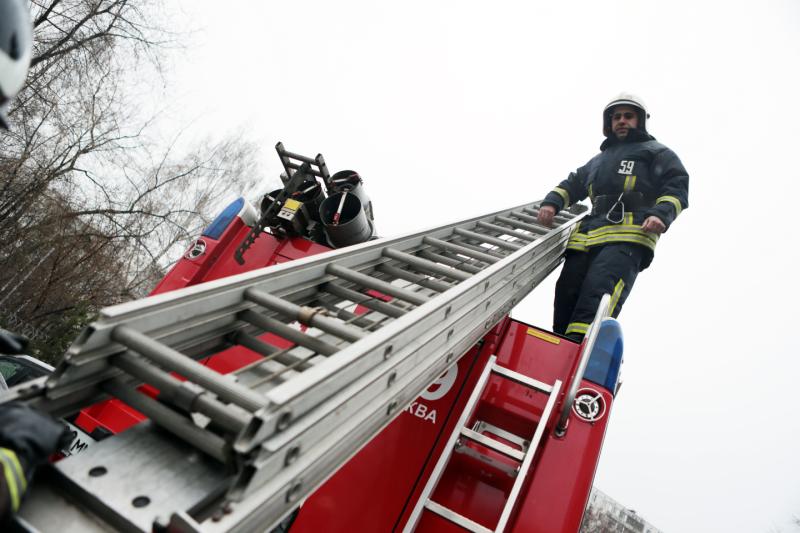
column 523, row 453
column 252, row 444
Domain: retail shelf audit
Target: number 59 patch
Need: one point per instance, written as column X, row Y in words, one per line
column 626, row 167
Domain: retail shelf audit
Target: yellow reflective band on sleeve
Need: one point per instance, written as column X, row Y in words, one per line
column 577, row 327
column 672, row 200
column 15, row 479
column 563, row 194
column 591, row 193
column 615, row 296
column 628, row 219
column 544, row 336
column 630, row 183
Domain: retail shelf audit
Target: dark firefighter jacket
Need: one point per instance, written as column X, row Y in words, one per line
column 642, row 168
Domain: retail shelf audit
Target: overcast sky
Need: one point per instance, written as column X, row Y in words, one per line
column 453, row 109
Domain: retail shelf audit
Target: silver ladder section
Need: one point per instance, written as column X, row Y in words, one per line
column 524, row 455
column 285, row 423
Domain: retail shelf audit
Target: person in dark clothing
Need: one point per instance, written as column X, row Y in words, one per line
column 637, row 187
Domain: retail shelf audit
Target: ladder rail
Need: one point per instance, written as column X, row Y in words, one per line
column 438, row 470
column 156, row 313
column 201, row 315
column 525, row 457
column 603, row 311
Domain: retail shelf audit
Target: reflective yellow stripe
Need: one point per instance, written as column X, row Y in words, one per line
column 15, row 479
column 622, row 229
column 619, row 228
column 631, row 238
column 577, row 247
column 591, row 194
column 12, row 485
column 12, row 456
column 615, row 295
column 630, row 183
column 623, row 233
column 577, row 241
column 577, row 327
column 628, row 219
column 604, row 237
column 563, row 194
column 672, row 200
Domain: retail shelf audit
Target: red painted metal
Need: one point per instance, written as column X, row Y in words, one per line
column 559, row 491
column 378, row 488
column 218, row 260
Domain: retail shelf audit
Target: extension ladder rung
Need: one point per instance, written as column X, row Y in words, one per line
column 373, row 283
column 365, row 300
column 423, row 280
column 511, row 232
column 522, row 379
column 488, row 239
column 482, row 425
column 514, row 223
column 425, row 265
column 304, row 314
column 494, row 444
column 452, row 260
column 456, row 518
column 461, row 250
column 490, row 249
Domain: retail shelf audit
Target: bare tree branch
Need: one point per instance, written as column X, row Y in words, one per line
column 91, row 209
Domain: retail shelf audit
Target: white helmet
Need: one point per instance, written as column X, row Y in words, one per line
column 15, row 51
column 625, row 99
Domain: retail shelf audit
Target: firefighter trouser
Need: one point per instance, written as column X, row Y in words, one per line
column 586, row 277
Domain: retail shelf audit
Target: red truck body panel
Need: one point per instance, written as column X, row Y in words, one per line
column 378, row 488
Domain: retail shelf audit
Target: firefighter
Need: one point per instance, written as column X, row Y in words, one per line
column 27, row 437
column 637, row 187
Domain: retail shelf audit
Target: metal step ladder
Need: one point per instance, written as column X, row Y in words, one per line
column 480, row 434
column 370, row 327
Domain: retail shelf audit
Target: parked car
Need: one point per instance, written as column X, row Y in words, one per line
column 17, row 369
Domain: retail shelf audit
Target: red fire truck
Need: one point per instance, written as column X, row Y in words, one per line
column 292, row 371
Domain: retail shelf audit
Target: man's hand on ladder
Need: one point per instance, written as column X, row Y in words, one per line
column 546, row 214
